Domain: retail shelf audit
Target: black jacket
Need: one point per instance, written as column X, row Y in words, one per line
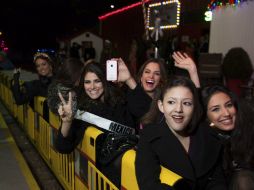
column 138, row 102
column 30, row 89
column 201, row 167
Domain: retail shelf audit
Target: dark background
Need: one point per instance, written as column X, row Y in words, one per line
column 31, row 24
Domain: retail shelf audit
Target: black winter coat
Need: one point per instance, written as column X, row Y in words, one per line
column 200, row 167
column 138, row 102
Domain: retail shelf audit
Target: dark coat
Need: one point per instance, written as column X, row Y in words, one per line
column 30, row 89
column 138, row 102
column 201, row 167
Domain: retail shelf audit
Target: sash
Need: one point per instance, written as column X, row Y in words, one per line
column 104, row 123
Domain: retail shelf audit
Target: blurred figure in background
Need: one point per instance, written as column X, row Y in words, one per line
column 74, row 50
column 88, row 50
column 5, row 63
column 26, row 93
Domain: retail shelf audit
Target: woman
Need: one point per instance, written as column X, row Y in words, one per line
column 220, row 105
column 98, row 97
column 241, row 148
column 232, row 122
column 152, row 75
column 176, row 142
column 30, row 89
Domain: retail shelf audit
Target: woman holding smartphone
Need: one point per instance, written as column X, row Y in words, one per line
column 98, row 97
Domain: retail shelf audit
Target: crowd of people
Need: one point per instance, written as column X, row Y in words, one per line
column 203, row 134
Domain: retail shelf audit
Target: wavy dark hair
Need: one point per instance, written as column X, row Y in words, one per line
column 175, row 81
column 66, row 80
column 242, row 150
column 69, row 72
column 112, row 94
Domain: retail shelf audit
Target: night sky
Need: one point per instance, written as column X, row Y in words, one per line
column 30, row 24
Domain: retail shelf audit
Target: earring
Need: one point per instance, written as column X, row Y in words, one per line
column 211, row 124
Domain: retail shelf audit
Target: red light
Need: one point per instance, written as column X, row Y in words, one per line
column 121, row 10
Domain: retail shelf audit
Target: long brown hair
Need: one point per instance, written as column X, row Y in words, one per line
column 163, row 72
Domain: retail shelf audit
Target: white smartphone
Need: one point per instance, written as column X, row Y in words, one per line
column 111, row 69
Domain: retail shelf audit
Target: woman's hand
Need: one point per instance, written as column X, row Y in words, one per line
column 65, row 109
column 123, row 71
column 124, row 74
column 183, row 61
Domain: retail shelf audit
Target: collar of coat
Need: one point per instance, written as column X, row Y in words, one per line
column 204, row 151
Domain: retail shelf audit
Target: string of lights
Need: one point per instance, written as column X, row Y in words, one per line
column 214, row 4
column 168, row 26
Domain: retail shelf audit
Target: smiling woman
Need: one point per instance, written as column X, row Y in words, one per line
column 172, row 139
column 101, row 98
column 25, row 93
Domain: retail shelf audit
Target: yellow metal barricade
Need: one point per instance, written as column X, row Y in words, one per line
column 10, row 100
column 1, row 89
column 97, row 181
column 88, row 144
column 169, row 177
column 20, row 114
column 38, row 104
column 54, row 120
column 62, row 165
column 66, row 170
column 30, row 123
column 128, row 176
column 5, row 97
column 44, row 138
column 79, row 184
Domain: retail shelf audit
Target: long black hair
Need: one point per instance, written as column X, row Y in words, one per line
column 69, row 72
column 242, row 149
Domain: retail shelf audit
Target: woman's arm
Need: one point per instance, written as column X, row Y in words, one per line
column 71, row 131
column 66, row 145
column 21, row 97
column 183, row 61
